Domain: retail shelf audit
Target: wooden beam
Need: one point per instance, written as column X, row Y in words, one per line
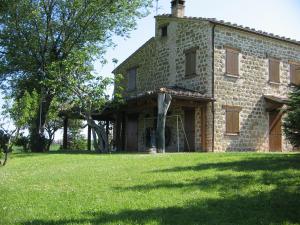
column 89, row 142
column 203, row 128
column 277, row 118
column 65, row 135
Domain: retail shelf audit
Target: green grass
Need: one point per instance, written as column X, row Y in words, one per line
column 185, row 189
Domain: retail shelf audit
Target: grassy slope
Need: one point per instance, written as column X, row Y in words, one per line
column 151, row 189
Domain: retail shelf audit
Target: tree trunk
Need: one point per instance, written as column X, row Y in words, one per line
column 99, row 135
column 38, row 142
column 163, row 101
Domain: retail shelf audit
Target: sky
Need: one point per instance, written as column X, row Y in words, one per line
column 280, row 17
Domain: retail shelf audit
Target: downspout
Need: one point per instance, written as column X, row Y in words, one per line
column 213, row 85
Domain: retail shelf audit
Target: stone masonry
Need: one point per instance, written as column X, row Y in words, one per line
column 161, row 62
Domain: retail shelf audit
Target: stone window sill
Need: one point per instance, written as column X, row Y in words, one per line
column 232, row 75
column 190, row 76
column 232, row 134
column 274, row 83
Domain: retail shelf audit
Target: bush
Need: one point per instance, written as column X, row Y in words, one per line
column 23, row 142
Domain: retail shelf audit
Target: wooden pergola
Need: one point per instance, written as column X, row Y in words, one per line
column 67, row 115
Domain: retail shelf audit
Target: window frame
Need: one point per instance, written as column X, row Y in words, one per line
column 129, row 88
column 235, row 53
column 232, row 111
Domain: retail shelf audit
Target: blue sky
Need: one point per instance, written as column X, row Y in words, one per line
column 277, row 16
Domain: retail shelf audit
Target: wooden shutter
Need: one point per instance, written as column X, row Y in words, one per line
column 131, row 79
column 274, row 70
column 232, row 119
column 295, row 74
column 232, row 62
column 190, row 63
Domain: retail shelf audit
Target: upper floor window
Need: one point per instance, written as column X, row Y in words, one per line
column 295, row 74
column 131, row 77
column 190, row 62
column 232, row 119
column 164, row 31
column 232, row 61
column 274, row 70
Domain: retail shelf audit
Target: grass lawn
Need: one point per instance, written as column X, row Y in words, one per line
column 185, row 189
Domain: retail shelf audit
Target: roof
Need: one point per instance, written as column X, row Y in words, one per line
column 233, row 25
column 175, row 92
column 274, row 102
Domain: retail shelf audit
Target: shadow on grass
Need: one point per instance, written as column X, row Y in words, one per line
column 275, row 207
column 278, row 203
column 266, row 163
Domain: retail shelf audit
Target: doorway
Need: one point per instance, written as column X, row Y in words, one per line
column 275, row 132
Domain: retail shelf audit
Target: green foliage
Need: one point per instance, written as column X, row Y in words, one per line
column 4, row 139
column 76, row 141
column 22, row 141
column 292, row 120
column 24, row 109
column 39, row 41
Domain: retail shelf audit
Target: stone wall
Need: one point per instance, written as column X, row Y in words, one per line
column 248, row 88
column 161, row 62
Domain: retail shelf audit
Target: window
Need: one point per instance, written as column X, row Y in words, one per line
column 232, row 119
column 295, row 74
column 274, row 71
column 190, row 62
column 232, row 61
column 164, row 31
column 131, row 85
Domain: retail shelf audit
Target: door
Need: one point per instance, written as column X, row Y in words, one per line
column 132, row 133
column 189, row 127
column 275, row 132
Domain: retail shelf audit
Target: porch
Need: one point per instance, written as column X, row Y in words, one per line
column 187, row 128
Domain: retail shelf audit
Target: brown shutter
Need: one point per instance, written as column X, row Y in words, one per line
column 295, row 74
column 190, row 63
column 236, row 122
column 232, row 62
column 232, row 119
column 229, row 121
column 274, row 70
column 131, row 79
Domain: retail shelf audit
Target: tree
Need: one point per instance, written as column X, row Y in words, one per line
column 35, row 35
column 291, row 123
column 85, row 92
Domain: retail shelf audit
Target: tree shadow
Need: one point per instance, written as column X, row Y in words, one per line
column 275, row 207
column 268, row 193
column 271, row 163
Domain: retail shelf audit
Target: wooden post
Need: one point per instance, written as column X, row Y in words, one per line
column 203, row 128
column 89, row 139
column 65, row 135
column 163, row 102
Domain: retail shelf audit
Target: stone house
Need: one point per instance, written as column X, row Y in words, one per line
column 229, row 85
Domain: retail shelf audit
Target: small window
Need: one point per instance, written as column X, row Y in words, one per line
column 232, row 62
column 190, row 63
column 295, row 74
column 274, row 70
column 164, row 31
column 232, row 119
column 131, row 85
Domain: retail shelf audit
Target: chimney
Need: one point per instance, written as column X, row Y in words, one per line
column 177, row 7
